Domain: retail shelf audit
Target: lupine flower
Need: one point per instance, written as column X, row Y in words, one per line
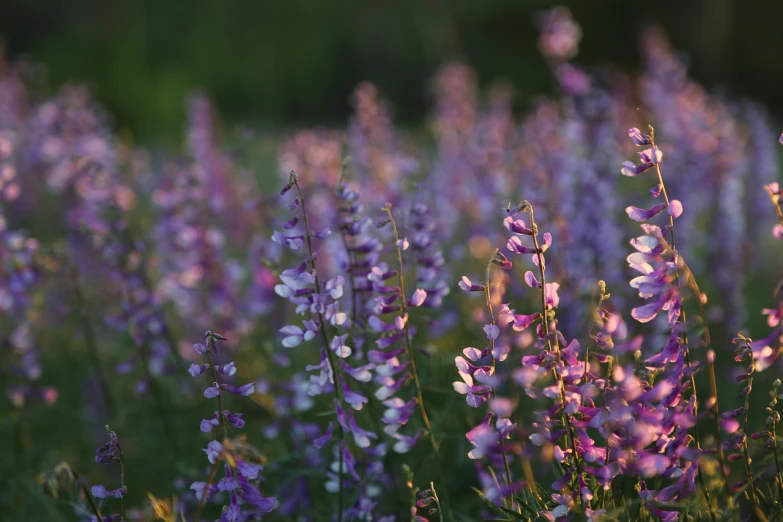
column 19, row 277
column 238, row 472
column 340, row 370
column 108, row 453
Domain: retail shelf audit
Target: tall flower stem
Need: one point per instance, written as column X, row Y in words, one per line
column 330, row 357
column 748, row 469
column 706, row 337
column 89, row 497
column 773, row 416
column 684, row 322
column 412, row 359
column 210, row 480
column 488, row 298
column 121, row 459
column 552, row 347
column 596, row 318
column 775, row 199
column 210, row 342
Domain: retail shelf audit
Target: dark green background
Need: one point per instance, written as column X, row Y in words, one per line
column 294, row 62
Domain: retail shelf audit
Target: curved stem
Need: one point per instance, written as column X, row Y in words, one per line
column 748, row 469
column 210, row 340
column 205, row 491
column 775, row 203
column 553, row 347
column 330, row 358
column 488, row 297
column 90, row 499
column 412, row 358
column 437, row 501
column 779, row 476
column 684, row 321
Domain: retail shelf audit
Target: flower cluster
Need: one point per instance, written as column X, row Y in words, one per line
column 579, row 404
column 206, row 207
column 239, row 472
column 340, row 370
column 19, row 276
column 111, row 452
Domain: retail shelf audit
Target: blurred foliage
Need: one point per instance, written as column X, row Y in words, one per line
column 296, row 61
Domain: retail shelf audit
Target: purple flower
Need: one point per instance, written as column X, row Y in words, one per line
column 466, row 285
column 213, row 450
column 418, row 297
column 641, row 215
column 648, row 159
column 99, row 491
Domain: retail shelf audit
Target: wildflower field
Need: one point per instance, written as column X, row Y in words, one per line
column 567, row 313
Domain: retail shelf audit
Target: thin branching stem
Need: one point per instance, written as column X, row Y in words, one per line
column 437, row 501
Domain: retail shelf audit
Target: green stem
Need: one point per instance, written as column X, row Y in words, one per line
column 553, row 347
column 330, row 358
column 775, row 203
column 488, row 297
column 205, row 491
column 683, row 320
column 210, row 340
column 412, row 358
column 748, row 469
column 89, row 497
column 779, row 476
column 437, row 501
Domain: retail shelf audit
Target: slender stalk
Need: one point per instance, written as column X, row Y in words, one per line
column 89, row 497
column 552, row 347
column 706, row 337
column 330, row 358
column 684, row 322
column 210, row 340
column 412, row 358
column 409, row 484
column 748, row 469
column 714, row 410
column 113, row 436
column 596, row 318
column 488, row 297
column 122, row 482
column 205, row 491
column 774, row 437
column 775, row 203
column 437, row 501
